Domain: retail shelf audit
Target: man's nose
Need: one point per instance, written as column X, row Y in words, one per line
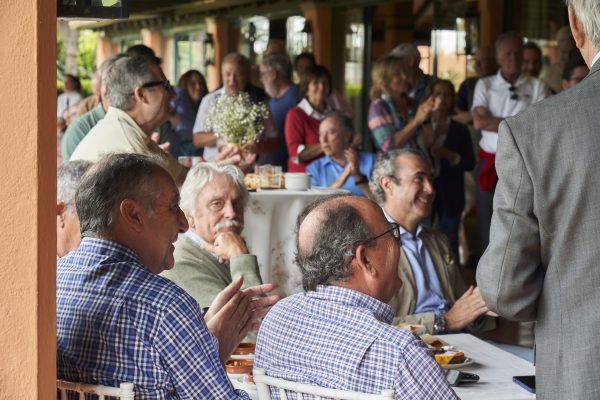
column 183, row 223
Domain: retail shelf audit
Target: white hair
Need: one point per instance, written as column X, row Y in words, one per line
column 588, row 13
column 200, row 175
column 407, row 50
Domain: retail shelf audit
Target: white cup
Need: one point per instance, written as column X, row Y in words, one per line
column 297, row 181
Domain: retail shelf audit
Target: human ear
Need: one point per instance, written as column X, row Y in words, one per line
column 576, row 28
column 138, row 94
column 132, row 214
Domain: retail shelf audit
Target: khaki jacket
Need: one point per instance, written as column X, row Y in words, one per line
column 453, row 286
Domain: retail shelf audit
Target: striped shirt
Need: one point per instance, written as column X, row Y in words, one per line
column 118, row 322
column 340, row 338
column 384, row 121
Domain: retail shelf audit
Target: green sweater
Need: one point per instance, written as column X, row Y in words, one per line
column 201, row 275
column 78, row 129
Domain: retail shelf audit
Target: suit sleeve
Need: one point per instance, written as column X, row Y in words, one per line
column 509, row 273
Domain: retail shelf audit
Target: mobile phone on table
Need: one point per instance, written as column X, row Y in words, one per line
column 527, row 382
column 455, row 377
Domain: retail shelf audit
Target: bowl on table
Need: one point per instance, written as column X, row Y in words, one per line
column 297, row 181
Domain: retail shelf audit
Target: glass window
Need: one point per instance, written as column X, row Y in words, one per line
column 254, row 37
column 189, row 52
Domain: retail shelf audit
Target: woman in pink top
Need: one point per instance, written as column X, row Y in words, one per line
column 302, row 122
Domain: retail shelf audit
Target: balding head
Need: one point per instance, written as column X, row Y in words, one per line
column 329, row 232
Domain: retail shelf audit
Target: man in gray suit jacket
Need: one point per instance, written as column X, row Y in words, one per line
column 542, row 262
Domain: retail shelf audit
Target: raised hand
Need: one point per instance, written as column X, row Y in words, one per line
column 226, row 246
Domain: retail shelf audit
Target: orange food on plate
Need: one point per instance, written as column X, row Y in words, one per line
column 450, row 357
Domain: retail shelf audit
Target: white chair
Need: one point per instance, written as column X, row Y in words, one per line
column 264, row 382
column 123, row 392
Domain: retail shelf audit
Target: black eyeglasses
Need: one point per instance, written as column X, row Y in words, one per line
column 514, row 95
column 166, row 84
column 395, row 231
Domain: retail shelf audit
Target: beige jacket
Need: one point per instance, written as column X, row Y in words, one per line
column 448, row 272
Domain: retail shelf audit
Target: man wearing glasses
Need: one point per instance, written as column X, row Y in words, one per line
column 140, row 97
column 339, row 334
column 433, row 293
column 496, row 97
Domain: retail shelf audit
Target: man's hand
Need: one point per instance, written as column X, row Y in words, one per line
column 155, row 137
column 352, row 160
column 466, row 309
column 424, row 110
column 232, row 314
column 226, row 246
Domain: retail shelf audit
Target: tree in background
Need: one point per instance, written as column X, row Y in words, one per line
column 78, row 59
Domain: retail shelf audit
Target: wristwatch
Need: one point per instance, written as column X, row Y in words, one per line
column 439, row 324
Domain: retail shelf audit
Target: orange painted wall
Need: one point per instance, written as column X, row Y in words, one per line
column 27, row 196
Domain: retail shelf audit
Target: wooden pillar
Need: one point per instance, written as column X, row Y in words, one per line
column 28, row 195
column 152, row 39
column 491, row 22
column 219, row 28
column 320, row 19
column 103, row 49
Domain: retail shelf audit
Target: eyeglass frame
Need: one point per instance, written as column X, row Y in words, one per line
column 164, row 83
column 394, row 230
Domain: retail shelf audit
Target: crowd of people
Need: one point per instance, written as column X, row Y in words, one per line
column 156, row 285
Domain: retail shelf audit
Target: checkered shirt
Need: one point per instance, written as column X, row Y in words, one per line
column 118, row 322
column 340, row 338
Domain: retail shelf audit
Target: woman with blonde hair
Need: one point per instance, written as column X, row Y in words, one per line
column 394, row 118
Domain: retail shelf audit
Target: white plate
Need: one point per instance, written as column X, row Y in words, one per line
column 468, row 361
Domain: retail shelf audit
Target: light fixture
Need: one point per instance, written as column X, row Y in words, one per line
column 208, row 49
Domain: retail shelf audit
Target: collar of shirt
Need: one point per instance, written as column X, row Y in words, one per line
column 596, row 57
column 305, row 106
column 123, row 117
column 198, row 240
column 108, row 248
column 349, row 297
column 500, row 82
column 402, row 230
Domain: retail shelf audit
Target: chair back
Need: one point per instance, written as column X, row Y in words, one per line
column 123, row 392
column 265, row 382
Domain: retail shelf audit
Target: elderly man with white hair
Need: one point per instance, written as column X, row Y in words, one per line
column 212, row 253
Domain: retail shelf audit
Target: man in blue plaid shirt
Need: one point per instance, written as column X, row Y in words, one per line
column 338, row 334
column 117, row 320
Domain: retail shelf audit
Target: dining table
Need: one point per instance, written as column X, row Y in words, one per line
column 269, row 231
column 495, row 367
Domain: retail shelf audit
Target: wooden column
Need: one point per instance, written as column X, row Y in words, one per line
column 491, row 22
column 320, row 19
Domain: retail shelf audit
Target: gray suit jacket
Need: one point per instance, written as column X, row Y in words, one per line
column 542, row 260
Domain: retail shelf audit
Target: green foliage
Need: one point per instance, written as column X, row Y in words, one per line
column 86, row 56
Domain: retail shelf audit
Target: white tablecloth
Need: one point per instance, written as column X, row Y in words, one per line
column 270, row 220
column 495, row 368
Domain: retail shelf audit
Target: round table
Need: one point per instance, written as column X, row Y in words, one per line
column 270, row 221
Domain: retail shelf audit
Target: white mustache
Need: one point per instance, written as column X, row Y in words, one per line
column 231, row 223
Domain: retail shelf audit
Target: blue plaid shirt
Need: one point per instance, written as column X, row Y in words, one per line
column 118, row 322
column 340, row 338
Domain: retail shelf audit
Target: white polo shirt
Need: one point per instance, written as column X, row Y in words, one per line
column 494, row 94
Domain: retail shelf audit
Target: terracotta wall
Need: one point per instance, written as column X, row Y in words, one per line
column 27, row 195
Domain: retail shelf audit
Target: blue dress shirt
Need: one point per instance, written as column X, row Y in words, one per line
column 430, row 295
column 325, row 171
column 118, row 322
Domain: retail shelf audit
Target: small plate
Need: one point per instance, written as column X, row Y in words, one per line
column 468, row 361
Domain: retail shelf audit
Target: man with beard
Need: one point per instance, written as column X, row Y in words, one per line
column 212, row 253
column 433, row 293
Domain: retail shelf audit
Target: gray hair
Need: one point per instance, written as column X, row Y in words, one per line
column 237, row 58
column 126, row 74
column 106, row 64
column 199, row 176
column 407, row 50
column 280, row 63
column 342, row 119
column 107, row 183
column 505, row 36
column 68, row 177
column 329, row 257
column 386, row 165
column 588, row 13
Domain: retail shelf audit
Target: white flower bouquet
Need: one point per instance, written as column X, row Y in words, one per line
column 237, row 119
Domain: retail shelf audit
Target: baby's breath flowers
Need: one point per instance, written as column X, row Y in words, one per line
column 237, row 119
